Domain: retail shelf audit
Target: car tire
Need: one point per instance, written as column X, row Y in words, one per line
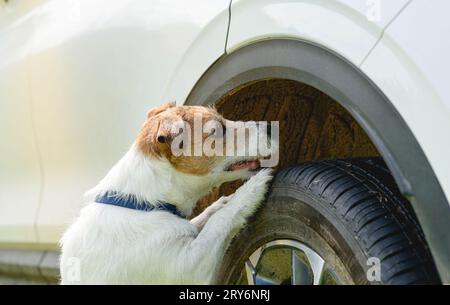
column 348, row 212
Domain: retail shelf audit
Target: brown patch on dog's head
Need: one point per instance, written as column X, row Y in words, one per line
column 157, row 134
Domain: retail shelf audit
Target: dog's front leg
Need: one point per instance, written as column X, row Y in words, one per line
column 206, row 251
column 200, row 220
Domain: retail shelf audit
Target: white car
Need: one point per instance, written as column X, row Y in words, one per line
column 361, row 90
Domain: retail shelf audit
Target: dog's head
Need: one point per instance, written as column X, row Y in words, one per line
column 198, row 141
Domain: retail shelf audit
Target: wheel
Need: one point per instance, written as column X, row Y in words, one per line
column 331, row 222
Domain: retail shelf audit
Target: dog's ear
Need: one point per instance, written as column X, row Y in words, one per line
column 154, row 111
column 158, row 133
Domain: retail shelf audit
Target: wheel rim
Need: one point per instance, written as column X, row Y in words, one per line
column 288, row 262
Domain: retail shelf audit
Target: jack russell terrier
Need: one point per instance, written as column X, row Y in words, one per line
column 134, row 229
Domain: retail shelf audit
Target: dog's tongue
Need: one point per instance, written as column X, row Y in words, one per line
column 251, row 165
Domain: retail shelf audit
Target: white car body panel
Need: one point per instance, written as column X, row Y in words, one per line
column 415, row 77
column 20, row 178
column 94, row 68
column 340, row 25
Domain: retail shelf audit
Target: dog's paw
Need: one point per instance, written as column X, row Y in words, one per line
column 219, row 204
column 250, row 195
column 258, row 183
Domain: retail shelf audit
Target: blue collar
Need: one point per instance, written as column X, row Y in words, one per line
column 131, row 202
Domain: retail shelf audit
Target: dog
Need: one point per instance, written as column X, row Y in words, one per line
column 135, row 228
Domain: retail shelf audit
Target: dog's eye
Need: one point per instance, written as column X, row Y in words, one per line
column 161, row 139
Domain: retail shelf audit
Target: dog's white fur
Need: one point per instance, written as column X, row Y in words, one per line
column 114, row 245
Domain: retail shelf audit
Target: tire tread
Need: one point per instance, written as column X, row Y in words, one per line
column 366, row 199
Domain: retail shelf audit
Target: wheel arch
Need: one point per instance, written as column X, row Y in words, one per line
column 330, row 73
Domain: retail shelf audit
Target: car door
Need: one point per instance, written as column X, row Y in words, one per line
column 20, row 173
column 97, row 66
